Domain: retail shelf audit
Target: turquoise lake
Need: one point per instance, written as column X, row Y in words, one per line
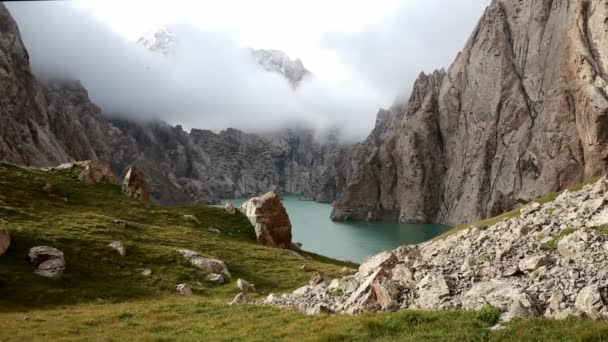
column 352, row 241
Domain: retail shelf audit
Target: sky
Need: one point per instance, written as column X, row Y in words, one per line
column 362, row 54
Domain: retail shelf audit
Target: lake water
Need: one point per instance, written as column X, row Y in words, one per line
column 348, row 240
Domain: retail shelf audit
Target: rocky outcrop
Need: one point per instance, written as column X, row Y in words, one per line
column 184, row 289
column 278, row 62
column 135, row 185
column 520, row 113
column 5, row 240
column 551, row 260
column 119, row 247
column 97, row 172
column 49, row 261
column 270, row 220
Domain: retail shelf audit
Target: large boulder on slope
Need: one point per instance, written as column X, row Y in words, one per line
column 135, row 185
column 96, row 172
column 207, row 265
column 49, row 261
column 270, row 219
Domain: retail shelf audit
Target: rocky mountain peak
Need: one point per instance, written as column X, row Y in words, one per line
column 160, row 40
column 279, row 62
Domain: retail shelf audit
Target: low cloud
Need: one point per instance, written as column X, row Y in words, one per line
column 423, row 35
column 209, row 82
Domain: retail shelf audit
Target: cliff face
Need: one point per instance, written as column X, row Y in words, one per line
column 520, row 113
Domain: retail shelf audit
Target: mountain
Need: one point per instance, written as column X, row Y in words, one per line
column 278, row 62
column 521, row 112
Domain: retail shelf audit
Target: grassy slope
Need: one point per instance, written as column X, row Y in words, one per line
column 102, row 296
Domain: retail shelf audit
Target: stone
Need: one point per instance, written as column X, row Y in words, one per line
column 244, row 285
column 230, row 209
column 533, row 263
column 96, row 172
column 120, row 223
column 240, row 298
column 192, row 218
column 317, row 279
column 5, row 240
column 347, row 270
column 216, row 278
column 270, row 219
column 135, row 185
column 573, row 245
column 530, row 209
column 214, row 230
column 49, row 261
column 146, row 272
column 431, row 291
column 500, row 294
column 590, row 302
column 207, row 265
column 184, row 289
column 387, row 292
column 118, row 247
column 319, row 309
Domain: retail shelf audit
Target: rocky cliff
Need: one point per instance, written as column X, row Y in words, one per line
column 52, row 122
column 520, row 113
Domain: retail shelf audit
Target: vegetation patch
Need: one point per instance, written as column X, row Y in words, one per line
column 551, row 245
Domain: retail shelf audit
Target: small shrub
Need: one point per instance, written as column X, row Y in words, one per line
column 552, row 245
column 488, row 315
column 602, row 229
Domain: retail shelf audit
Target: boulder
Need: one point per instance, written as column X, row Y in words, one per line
column 270, row 219
column 146, row 272
column 387, row 293
column 573, row 245
column 431, row 291
column 529, row 209
column 49, row 261
column 589, row 301
column 216, row 278
column 501, row 294
column 5, row 240
column 135, row 185
column 95, row 172
column 230, row 209
column 118, row 247
column 184, row 289
column 317, row 279
column 207, row 265
column 533, row 263
column 244, row 286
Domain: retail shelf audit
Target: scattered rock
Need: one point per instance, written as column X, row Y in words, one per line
column 319, row 309
column 533, row 263
column 244, row 286
column 192, row 218
column 120, row 223
column 135, row 185
column 591, row 303
column 146, row 272
column 119, row 247
column 530, row 209
column 214, row 230
column 230, row 209
column 270, row 219
column 347, row 270
column 432, row 289
column 184, row 289
column 49, row 261
column 5, row 240
column 216, row 278
column 207, row 265
column 317, row 278
column 240, row 298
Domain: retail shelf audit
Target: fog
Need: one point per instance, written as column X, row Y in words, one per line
column 423, row 35
column 212, row 82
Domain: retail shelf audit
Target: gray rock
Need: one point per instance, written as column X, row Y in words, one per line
column 533, row 263
column 49, row 261
column 118, row 247
column 432, row 289
column 244, row 286
column 240, row 298
column 503, row 295
column 184, row 289
column 207, row 265
column 216, row 278
column 230, row 209
column 146, row 272
column 590, row 302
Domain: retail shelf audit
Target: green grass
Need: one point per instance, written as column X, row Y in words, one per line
column 103, row 296
column 552, row 244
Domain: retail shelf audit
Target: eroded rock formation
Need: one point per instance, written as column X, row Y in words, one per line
column 520, row 113
column 270, row 220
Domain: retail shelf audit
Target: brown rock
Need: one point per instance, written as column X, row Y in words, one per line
column 270, row 219
column 96, row 172
column 135, row 185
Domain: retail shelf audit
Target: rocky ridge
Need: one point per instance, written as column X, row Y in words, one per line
column 549, row 260
column 521, row 112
